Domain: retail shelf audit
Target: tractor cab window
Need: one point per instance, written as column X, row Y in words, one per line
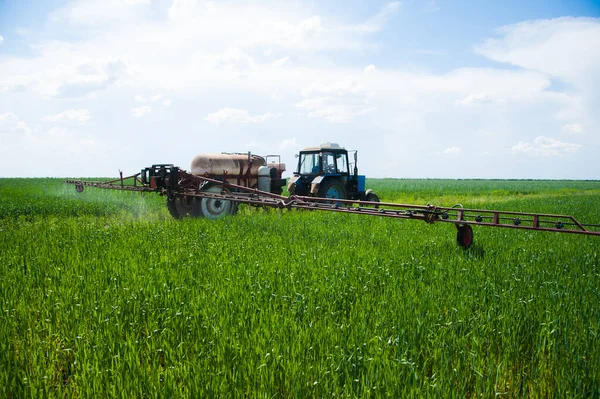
column 342, row 163
column 329, row 163
column 309, row 164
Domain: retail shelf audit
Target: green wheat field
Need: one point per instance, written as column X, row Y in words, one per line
column 103, row 294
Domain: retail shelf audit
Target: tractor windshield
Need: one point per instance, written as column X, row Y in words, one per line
column 309, row 163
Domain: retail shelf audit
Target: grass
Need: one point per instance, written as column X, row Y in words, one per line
column 103, row 294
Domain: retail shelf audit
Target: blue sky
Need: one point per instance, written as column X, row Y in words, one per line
column 458, row 89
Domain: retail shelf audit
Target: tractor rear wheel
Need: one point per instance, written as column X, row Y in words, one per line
column 332, row 189
column 214, row 208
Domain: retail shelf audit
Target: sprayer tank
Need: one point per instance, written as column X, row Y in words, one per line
column 232, row 165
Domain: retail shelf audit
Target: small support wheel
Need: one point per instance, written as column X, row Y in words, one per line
column 464, row 236
column 79, row 188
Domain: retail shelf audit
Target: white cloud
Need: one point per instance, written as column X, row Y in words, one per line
column 126, row 52
column 96, row 14
column 239, row 116
column 141, row 99
column 452, row 150
column 81, row 116
column 370, row 69
column 59, row 133
column 333, row 109
column 288, row 144
column 1, row 39
column 487, row 85
column 59, row 69
column 430, row 52
column 336, row 102
column 11, row 123
column 431, row 6
column 572, row 128
column 376, row 22
column 61, row 146
column 166, row 102
column 545, row 147
column 141, row 111
column 79, row 80
column 281, row 62
column 233, row 61
column 562, row 47
column 311, row 26
column 12, row 88
column 269, row 24
column 473, row 100
column 183, row 9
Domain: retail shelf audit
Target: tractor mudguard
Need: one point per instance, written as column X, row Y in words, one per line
column 292, row 184
column 314, row 185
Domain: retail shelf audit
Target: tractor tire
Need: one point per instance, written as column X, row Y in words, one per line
column 172, row 207
column 332, row 189
column 372, row 197
column 213, row 208
column 184, row 206
column 464, row 236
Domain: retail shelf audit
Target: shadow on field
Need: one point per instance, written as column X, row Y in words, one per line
column 476, row 251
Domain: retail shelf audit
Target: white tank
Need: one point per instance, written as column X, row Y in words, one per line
column 264, row 178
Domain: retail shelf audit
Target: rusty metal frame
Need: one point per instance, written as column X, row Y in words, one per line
column 192, row 185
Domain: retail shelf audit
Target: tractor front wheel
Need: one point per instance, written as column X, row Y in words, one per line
column 372, row 197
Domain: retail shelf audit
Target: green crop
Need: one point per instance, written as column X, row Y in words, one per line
column 104, row 294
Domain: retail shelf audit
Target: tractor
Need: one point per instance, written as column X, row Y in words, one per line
column 326, row 172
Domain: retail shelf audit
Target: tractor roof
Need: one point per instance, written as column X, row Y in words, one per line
column 326, row 146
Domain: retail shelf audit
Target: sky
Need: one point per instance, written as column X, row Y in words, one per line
column 421, row 88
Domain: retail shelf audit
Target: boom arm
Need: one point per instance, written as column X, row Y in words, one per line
column 174, row 182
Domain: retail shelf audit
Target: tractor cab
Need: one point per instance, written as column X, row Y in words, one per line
column 331, row 160
column 325, row 171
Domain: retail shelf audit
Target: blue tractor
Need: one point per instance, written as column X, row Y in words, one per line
column 326, row 172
